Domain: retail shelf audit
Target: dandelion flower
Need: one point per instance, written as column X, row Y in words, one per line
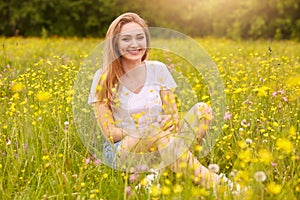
column 155, row 190
column 43, row 96
column 165, row 190
column 265, row 156
column 46, row 157
column 177, row 188
column 274, row 188
column 245, row 156
column 104, row 175
column 292, row 131
column 17, row 87
column 285, row 145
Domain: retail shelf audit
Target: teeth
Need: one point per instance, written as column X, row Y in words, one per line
column 134, row 51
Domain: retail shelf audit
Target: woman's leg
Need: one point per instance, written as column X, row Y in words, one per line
column 109, row 155
column 175, row 153
column 138, row 154
column 198, row 119
column 174, row 149
column 194, row 125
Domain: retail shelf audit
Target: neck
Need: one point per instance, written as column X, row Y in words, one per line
column 129, row 65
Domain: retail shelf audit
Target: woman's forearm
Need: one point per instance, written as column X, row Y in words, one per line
column 107, row 124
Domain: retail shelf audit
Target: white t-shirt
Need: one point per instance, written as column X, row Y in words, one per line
column 139, row 110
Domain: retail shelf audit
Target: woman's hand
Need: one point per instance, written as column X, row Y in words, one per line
column 167, row 122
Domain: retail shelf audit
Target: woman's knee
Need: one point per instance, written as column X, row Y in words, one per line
column 203, row 110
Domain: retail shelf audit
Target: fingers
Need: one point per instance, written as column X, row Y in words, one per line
column 162, row 118
column 167, row 122
column 168, row 125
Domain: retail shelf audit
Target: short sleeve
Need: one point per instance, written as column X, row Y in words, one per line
column 165, row 78
column 92, row 95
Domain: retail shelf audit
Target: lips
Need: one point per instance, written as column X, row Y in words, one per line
column 134, row 51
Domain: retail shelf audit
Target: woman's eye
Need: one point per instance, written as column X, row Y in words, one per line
column 140, row 37
column 126, row 39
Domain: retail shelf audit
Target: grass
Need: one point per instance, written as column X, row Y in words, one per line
column 42, row 156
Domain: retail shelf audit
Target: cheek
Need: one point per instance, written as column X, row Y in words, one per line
column 143, row 44
column 122, row 47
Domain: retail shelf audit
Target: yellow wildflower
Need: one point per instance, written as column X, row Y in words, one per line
column 285, row 145
column 17, row 87
column 43, row 96
column 104, row 175
column 46, row 157
column 245, row 156
column 165, row 190
column 177, row 188
column 265, row 156
column 155, row 190
column 292, row 131
column 274, row 188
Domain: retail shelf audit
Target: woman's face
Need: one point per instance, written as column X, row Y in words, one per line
column 132, row 42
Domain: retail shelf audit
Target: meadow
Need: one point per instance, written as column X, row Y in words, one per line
column 42, row 156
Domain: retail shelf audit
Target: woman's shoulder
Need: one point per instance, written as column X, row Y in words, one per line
column 155, row 63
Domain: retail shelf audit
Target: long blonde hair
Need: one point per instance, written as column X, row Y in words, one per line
column 112, row 65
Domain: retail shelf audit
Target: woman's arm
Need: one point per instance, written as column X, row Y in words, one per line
column 170, row 106
column 107, row 123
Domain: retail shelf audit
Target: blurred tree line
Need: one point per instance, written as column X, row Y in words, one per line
column 279, row 19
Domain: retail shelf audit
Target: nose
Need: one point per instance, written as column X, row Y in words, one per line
column 134, row 43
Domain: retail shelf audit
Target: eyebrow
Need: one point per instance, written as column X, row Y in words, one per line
column 128, row 35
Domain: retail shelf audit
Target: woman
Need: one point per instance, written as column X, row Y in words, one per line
column 134, row 104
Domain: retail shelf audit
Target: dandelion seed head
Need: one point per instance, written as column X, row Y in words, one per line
column 214, row 168
column 260, row 176
column 248, row 141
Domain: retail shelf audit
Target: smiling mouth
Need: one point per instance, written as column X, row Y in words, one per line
column 134, row 51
